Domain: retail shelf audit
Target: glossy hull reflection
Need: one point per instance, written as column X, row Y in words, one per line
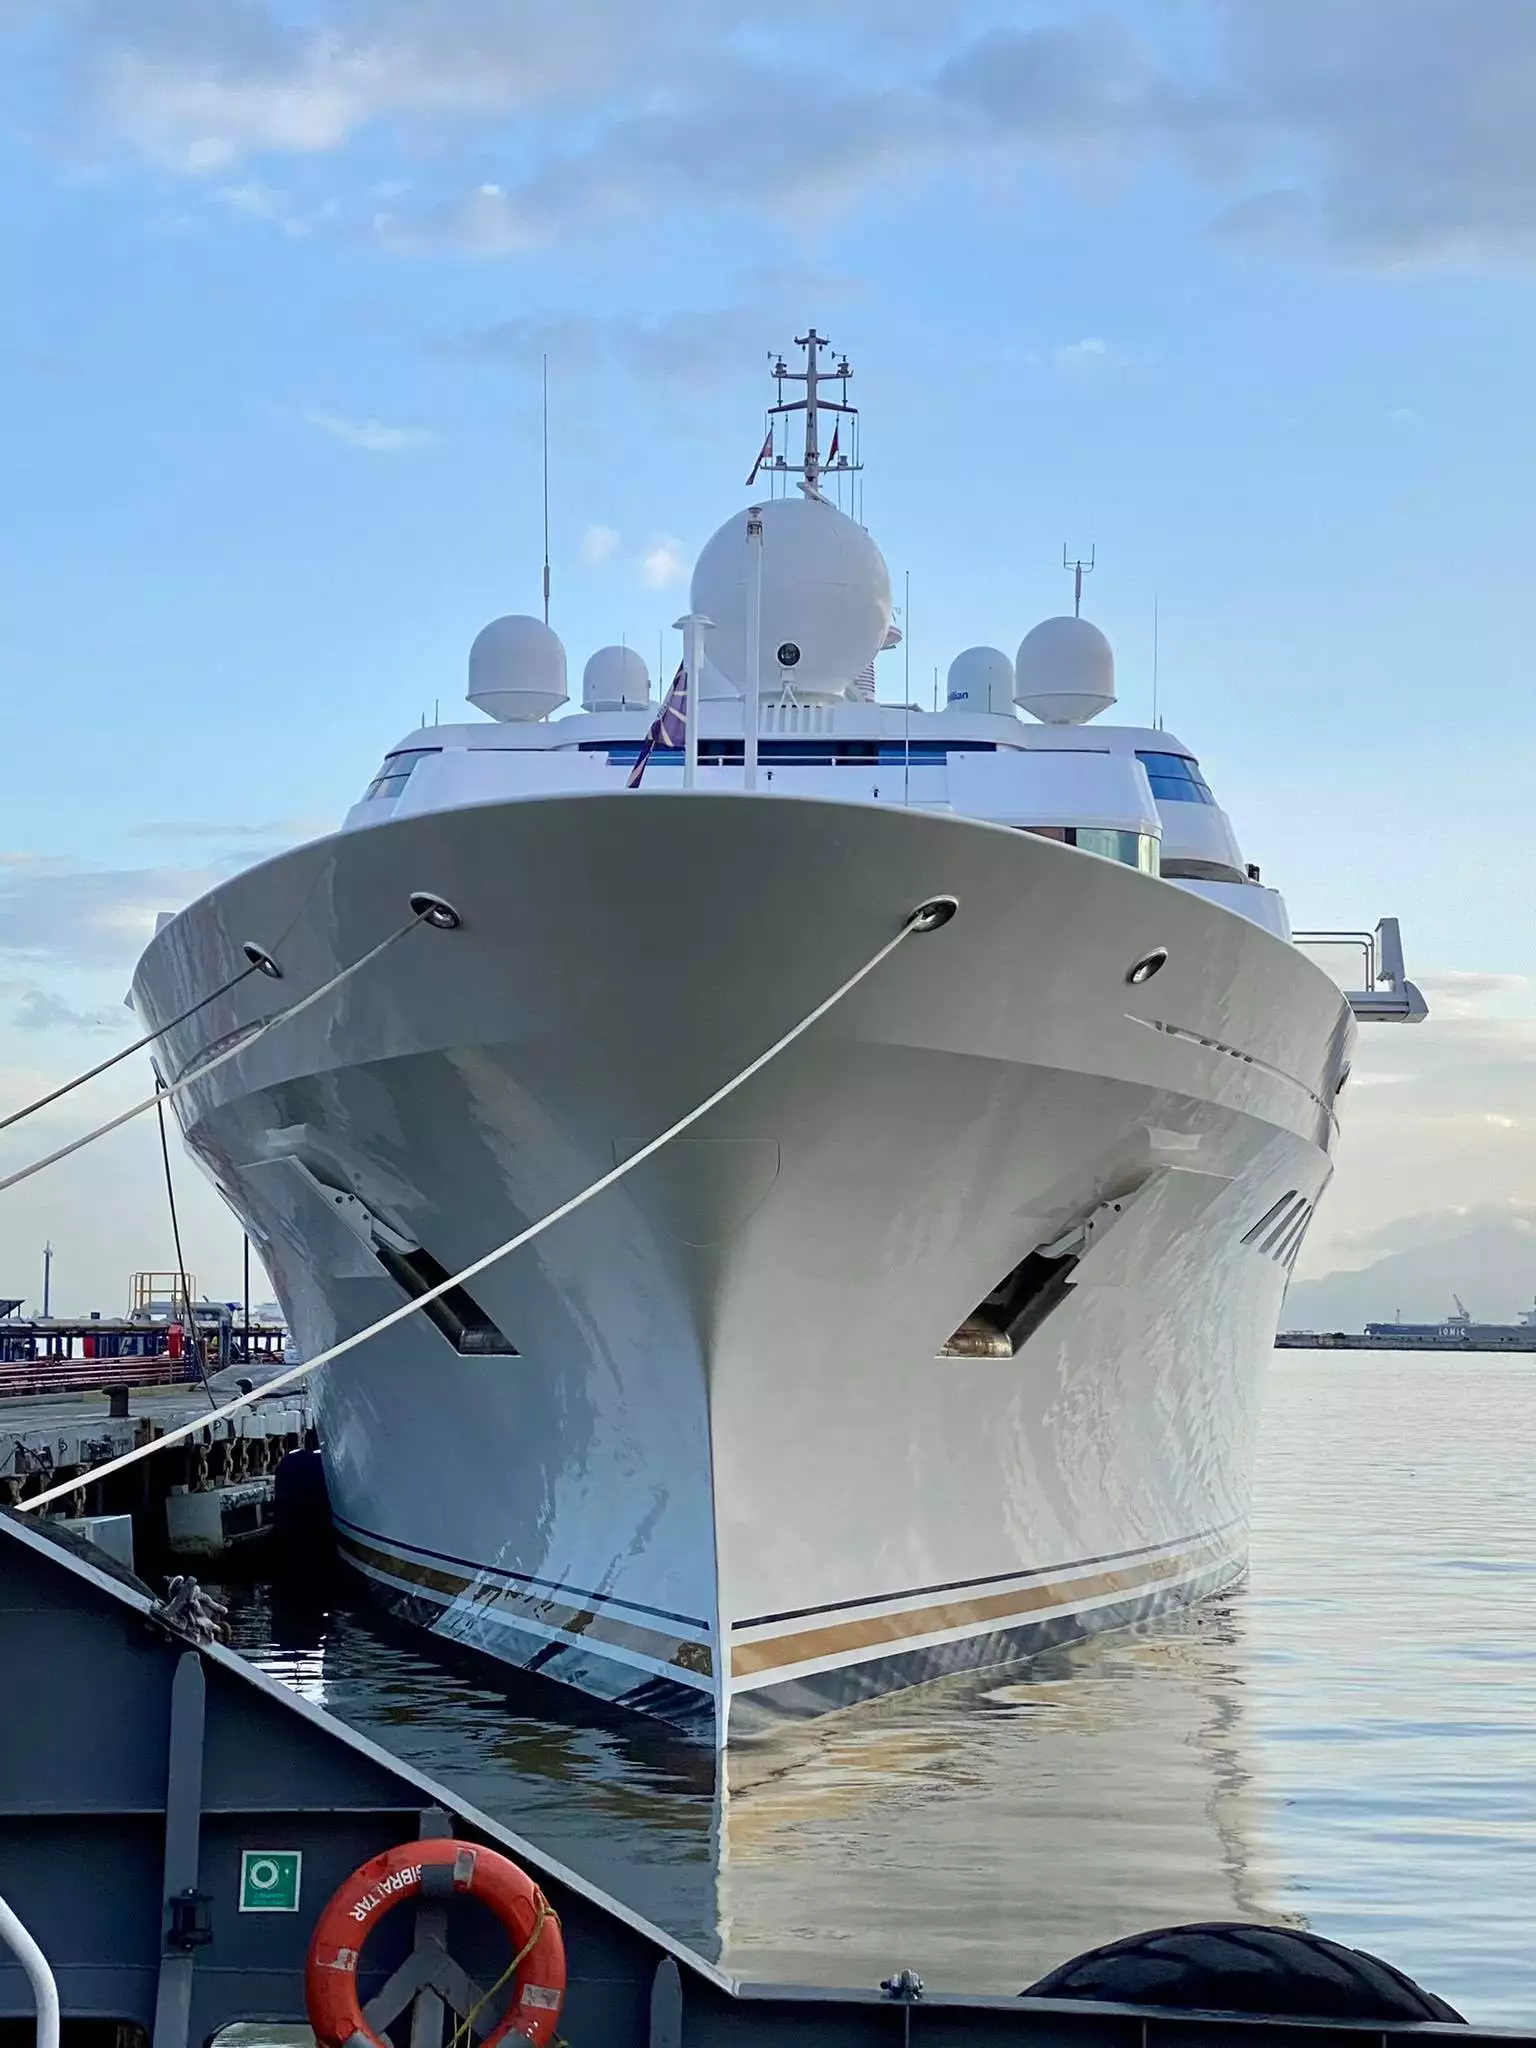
column 713, row 1465
column 975, row 1831
column 981, row 1833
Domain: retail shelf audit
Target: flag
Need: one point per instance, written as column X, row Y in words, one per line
column 763, row 454
column 669, row 728
column 832, row 451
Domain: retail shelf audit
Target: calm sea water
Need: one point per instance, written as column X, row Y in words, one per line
column 1348, row 1744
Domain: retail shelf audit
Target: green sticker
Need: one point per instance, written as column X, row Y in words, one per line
column 269, row 1880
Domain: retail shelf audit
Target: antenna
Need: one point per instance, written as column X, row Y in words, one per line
column 1079, row 569
column 1154, row 661
column 813, row 466
column 546, row 488
column 906, row 637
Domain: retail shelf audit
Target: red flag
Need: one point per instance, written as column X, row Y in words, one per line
column 763, row 454
column 832, row 451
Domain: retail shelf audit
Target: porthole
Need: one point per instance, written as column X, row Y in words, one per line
column 1148, row 965
column 788, row 655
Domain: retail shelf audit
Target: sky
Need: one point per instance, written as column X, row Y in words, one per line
column 1237, row 292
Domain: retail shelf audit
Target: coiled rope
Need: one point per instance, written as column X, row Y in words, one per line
column 425, row 909
column 926, row 918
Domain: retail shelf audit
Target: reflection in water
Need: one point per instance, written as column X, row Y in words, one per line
column 1350, row 1743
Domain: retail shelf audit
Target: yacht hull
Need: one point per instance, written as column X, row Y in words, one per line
column 730, row 1471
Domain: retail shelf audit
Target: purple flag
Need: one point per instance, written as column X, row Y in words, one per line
column 669, row 728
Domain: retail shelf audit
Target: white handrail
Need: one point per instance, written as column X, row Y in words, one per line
column 45, row 1992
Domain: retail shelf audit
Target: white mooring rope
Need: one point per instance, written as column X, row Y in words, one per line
column 926, row 918
column 201, row 1073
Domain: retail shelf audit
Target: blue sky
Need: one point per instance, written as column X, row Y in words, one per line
column 1239, row 291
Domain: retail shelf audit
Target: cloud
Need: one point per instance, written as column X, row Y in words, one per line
column 600, row 544
column 1077, row 358
column 1393, row 131
column 54, row 910
column 682, row 350
column 663, row 564
column 41, row 1010
column 280, row 831
column 372, row 435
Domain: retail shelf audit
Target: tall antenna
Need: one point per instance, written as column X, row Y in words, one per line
column 1154, row 661
column 546, row 489
column 906, row 636
column 1079, row 569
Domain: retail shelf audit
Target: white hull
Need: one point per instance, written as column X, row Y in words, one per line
column 728, row 1471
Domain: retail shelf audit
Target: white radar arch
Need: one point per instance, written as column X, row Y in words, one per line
column 517, row 670
column 1065, row 672
column 826, row 599
column 615, row 679
column 981, row 679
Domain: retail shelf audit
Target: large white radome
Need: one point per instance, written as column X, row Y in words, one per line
column 1065, row 672
column 826, row 598
column 517, row 669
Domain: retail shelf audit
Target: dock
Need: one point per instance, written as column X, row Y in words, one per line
column 198, row 1499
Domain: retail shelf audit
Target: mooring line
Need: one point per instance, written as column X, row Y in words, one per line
column 433, row 911
column 259, row 961
column 927, row 917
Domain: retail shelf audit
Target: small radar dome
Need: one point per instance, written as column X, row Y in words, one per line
column 517, row 670
column 1065, row 672
column 981, row 679
column 826, row 598
column 615, row 679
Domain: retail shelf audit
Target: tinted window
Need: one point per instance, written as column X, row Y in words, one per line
column 396, row 772
column 1175, row 779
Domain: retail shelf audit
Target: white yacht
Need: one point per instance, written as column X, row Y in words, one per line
column 943, row 1338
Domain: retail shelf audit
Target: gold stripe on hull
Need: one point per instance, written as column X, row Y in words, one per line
column 995, row 1611
column 581, row 1623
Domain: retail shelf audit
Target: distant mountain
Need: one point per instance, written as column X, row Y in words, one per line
column 1488, row 1258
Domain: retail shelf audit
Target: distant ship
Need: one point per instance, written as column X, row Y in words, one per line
column 1458, row 1332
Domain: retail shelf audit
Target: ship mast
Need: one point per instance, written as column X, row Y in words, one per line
column 814, row 403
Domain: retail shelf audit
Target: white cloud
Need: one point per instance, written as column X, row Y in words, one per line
column 600, row 544
column 41, row 1010
column 53, row 909
column 1088, row 354
column 663, row 564
column 1309, row 116
column 373, row 435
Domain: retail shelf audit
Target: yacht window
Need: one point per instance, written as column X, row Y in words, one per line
column 807, row 753
column 396, row 772
column 1132, row 849
column 1175, row 779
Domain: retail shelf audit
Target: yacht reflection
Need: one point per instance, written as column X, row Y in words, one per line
column 978, row 1830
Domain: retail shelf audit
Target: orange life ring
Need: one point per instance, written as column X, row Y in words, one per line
column 377, row 1887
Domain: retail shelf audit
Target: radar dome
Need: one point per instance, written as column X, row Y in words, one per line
column 517, row 669
column 713, row 685
column 981, row 679
column 826, row 598
column 615, row 679
column 1065, row 672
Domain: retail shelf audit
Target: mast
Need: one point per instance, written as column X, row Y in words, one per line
column 813, row 405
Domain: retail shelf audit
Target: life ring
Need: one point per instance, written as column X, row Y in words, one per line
column 375, row 1888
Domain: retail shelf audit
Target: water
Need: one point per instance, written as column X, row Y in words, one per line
column 1347, row 1744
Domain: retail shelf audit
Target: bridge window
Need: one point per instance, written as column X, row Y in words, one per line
column 1131, row 849
column 1175, row 779
column 396, row 772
